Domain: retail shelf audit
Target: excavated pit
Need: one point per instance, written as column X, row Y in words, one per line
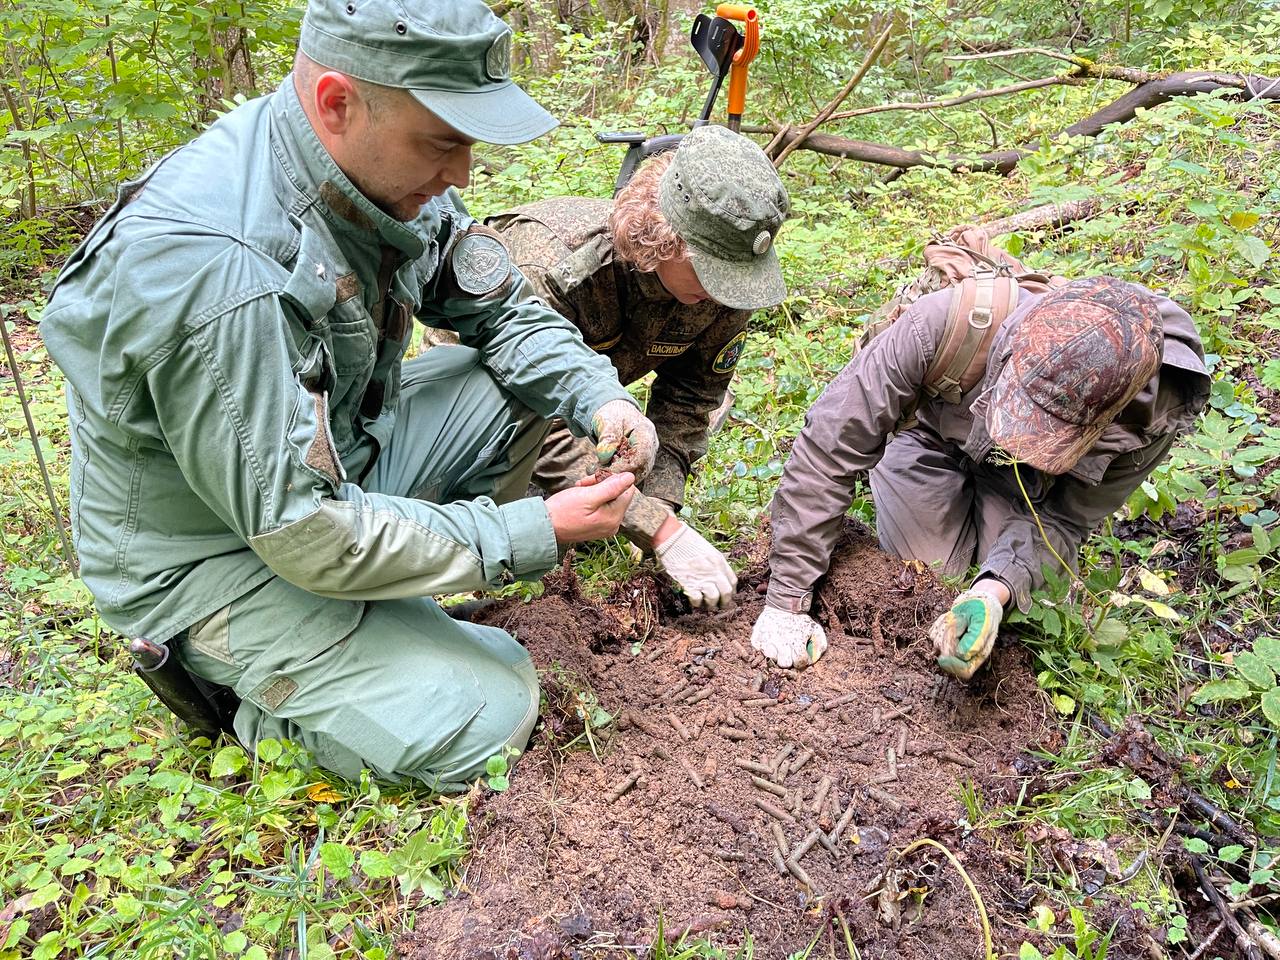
column 656, row 816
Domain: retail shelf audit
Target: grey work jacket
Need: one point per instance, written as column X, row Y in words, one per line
column 846, row 431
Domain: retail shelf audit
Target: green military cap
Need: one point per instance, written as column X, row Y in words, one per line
column 725, row 200
column 455, row 58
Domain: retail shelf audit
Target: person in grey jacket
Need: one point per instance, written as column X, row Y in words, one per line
column 1085, row 390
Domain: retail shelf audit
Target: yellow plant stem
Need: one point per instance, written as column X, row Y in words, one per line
column 1035, row 515
column 968, row 882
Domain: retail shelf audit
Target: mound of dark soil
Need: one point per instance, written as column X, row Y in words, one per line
column 731, row 795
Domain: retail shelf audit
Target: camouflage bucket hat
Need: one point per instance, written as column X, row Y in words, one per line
column 1079, row 356
column 723, row 197
column 455, row 58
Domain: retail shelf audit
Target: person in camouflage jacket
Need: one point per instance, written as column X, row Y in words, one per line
column 663, row 278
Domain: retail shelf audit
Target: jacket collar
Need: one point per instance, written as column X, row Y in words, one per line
column 650, row 287
column 319, row 185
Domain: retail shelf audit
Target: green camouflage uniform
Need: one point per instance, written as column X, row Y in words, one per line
column 253, row 466
column 562, row 245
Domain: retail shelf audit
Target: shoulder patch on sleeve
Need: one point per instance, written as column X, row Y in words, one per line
column 728, row 356
column 579, row 266
column 480, row 262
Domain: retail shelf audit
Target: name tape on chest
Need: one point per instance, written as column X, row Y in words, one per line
column 728, row 356
column 480, row 264
column 668, row 349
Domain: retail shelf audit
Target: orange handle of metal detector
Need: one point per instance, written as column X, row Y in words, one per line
column 742, row 59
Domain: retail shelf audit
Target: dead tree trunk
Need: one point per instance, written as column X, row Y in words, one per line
column 1151, row 90
column 1049, row 216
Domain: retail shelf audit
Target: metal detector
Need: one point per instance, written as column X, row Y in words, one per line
column 716, row 40
column 725, row 52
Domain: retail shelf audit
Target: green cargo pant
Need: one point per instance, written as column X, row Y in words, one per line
column 408, row 692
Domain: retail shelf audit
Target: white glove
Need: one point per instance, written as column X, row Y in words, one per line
column 698, row 568
column 788, row 639
column 618, row 420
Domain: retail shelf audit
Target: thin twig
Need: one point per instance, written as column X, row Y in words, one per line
column 1248, row 946
column 35, row 444
column 1057, row 80
column 1209, row 941
column 825, row 113
column 1019, row 52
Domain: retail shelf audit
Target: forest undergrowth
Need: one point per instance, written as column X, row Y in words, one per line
column 120, row 835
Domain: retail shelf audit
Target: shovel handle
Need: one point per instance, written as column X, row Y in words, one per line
column 742, row 59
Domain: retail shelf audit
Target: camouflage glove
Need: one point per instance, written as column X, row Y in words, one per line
column 788, row 639
column 618, row 420
column 698, row 568
column 963, row 636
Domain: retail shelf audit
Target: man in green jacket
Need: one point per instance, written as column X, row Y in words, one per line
column 257, row 477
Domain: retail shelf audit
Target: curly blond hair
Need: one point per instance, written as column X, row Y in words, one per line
column 642, row 237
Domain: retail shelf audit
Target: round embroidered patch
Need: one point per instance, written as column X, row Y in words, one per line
column 728, row 356
column 497, row 61
column 761, row 242
column 480, row 264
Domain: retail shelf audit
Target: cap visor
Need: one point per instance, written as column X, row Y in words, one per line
column 1036, row 437
column 753, row 285
column 505, row 115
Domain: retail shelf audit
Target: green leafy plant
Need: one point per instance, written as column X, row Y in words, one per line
column 1254, row 679
column 1088, row 943
column 497, row 767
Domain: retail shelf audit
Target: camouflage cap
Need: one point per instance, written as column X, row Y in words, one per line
column 725, row 200
column 1078, row 357
column 455, row 58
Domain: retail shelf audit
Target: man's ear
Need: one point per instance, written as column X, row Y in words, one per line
column 336, row 102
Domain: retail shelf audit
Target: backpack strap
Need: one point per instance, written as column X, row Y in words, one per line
column 979, row 305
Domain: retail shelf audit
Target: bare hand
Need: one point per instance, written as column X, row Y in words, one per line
column 590, row 510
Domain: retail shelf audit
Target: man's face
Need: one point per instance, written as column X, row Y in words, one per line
column 681, row 281
column 401, row 155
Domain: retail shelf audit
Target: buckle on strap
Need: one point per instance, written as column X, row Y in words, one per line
column 984, row 294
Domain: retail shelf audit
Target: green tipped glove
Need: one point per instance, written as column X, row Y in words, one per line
column 619, row 420
column 964, row 635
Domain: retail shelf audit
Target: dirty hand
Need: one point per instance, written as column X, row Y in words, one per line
column 698, row 568
column 618, row 420
column 590, row 510
column 788, row 639
column 963, row 636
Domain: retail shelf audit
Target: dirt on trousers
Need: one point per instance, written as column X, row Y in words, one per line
column 730, row 795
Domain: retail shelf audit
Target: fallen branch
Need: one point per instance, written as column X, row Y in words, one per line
column 1218, row 817
column 1267, row 940
column 1151, row 90
column 824, row 114
column 1248, row 946
column 1050, row 215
